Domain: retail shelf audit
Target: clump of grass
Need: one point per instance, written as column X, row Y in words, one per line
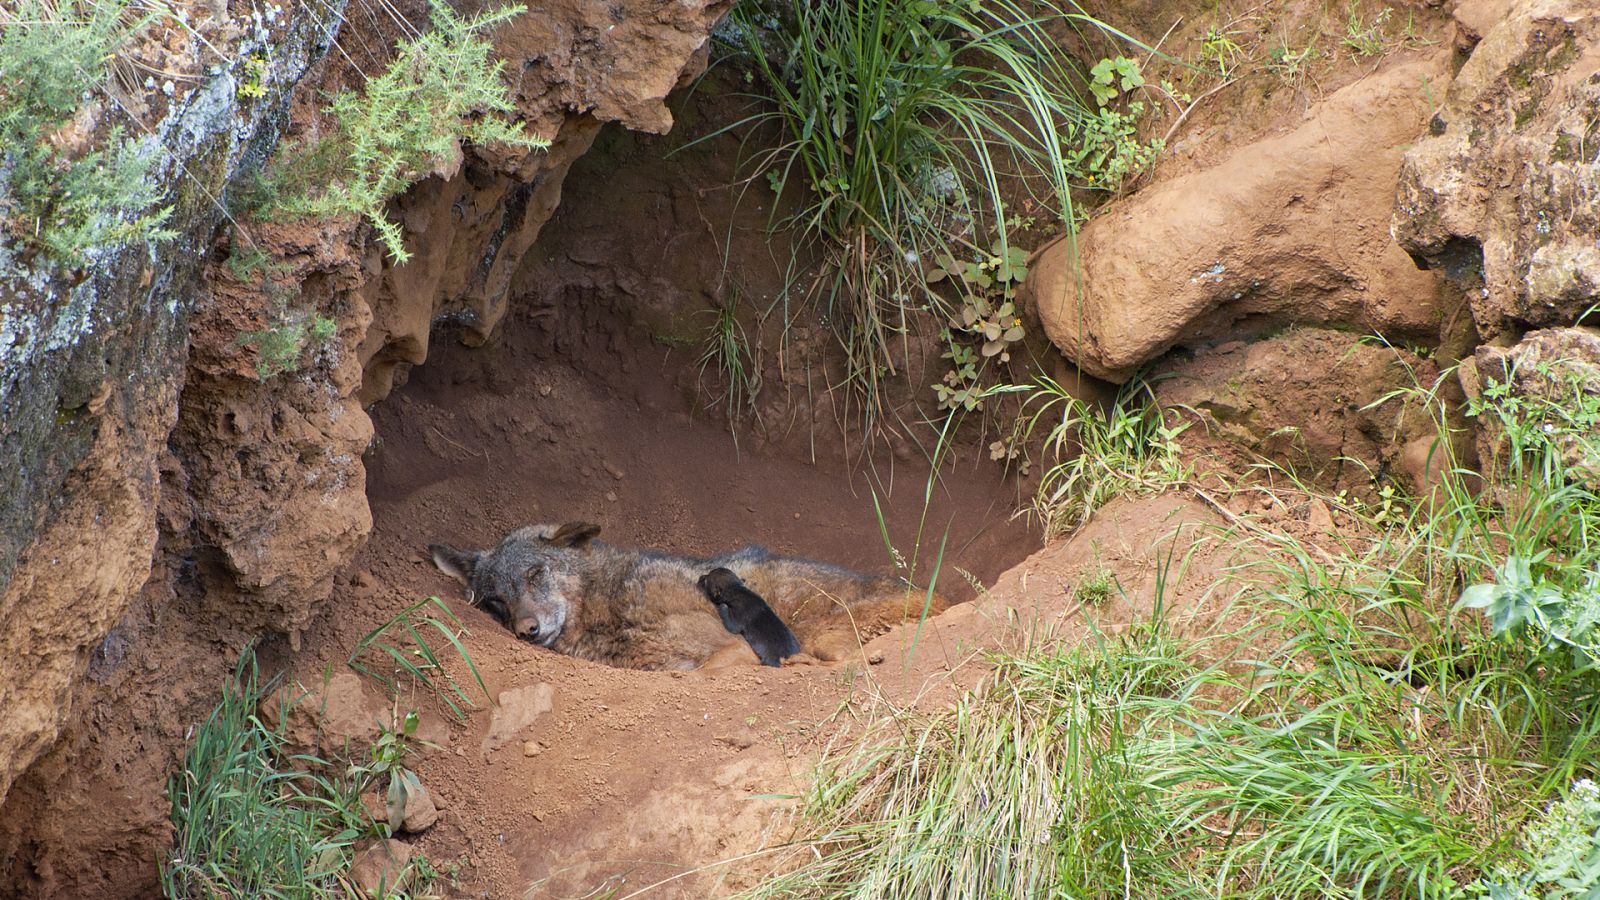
column 51, row 55
column 1096, row 455
column 378, row 657
column 1095, row 587
column 441, row 90
column 903, row 124
column 1367, row 37
column 252, row 819
column 979, row 802
column 727, row 351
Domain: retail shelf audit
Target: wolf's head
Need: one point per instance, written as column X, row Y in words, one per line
column 528, row 581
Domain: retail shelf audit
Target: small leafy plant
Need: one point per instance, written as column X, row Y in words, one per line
column 386, row 766
column 1111, row 77
column 51, row 56
column 986, row 290
column 1563, row 852
column 441, row 90
column 1108, row 150
column 253, row 819
column 280, row 347
column 1519, row 602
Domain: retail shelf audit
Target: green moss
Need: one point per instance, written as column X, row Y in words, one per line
column 1563, row 150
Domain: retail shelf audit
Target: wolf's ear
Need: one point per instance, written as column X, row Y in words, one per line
column 458, row 564
column 573, row 534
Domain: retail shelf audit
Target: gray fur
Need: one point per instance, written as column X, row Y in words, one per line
column 559, row 587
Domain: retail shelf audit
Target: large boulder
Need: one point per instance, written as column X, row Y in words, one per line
column 1289, row 229
column 1504, row 193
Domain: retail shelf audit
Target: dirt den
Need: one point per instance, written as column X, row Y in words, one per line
column 590, row 404
column 626, row 765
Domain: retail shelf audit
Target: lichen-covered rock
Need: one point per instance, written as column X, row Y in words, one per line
column 1504, row 193
column 90, row 365
column 1291, row 229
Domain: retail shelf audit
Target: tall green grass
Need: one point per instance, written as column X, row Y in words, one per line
column 908, row 126
column 1366, row 734
column 250, row 817
column 253, row 818
column 972, row 803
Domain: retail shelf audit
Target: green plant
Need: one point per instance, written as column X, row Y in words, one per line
column 1108, row 150
column 1096, row 587
column 1353, row 736
column 246, row 263
column 1132, row 446
column 248, row 821
column 986, row 289
column 1363, row 37
column 385, row 765
column 1562, row 849
column 51, row 55
column 727, row 349
column 903, row 120
column 407, row 122
column 253, row 819
column 1219, row 48
column 991, row 799
column 279, row 348
column 415, row 658
column 1111, row 77
column 1285, row 61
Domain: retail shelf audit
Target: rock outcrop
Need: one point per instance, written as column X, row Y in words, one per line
column 91, row 363
column 175, row 503
column 1291, row 229
column 1554, row 376
column 1503, row 194
column 1326, row 404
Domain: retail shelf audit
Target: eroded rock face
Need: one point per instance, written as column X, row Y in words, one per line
column 1504, row 194
column 1288, row 230
column 1321, row 402
column 235, row 503
column 90, row 365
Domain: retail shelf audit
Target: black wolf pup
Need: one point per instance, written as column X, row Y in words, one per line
column 744, row 612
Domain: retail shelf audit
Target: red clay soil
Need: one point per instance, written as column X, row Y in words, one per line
column 635, row 775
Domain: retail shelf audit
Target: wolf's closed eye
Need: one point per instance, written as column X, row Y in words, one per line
column 496, row 607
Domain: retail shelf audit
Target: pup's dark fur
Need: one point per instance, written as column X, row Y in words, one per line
column 745, row 613
column 558, row 587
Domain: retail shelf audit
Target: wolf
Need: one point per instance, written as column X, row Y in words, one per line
column 745, row 613
column 559, row 587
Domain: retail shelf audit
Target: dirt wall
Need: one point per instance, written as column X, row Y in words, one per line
column 221, row 513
